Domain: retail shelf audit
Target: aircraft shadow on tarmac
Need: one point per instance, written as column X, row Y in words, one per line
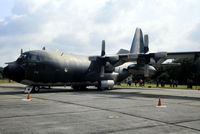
column 20, row 90
column 117, row 94
column 144, row 95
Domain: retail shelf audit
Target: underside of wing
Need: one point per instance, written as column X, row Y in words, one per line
column 179, row 55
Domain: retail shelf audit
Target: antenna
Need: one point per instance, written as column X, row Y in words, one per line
column 21, row 51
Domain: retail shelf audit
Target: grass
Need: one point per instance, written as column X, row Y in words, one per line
column 133, row 85
column 166, row 86
column 6, row 81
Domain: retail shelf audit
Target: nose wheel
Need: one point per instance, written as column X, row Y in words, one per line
column 36, row 89
column 32, row 89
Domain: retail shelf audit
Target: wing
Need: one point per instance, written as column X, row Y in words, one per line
column 120, row 59
column 179, row 55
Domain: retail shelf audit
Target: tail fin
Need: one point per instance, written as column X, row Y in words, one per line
column 139, row 45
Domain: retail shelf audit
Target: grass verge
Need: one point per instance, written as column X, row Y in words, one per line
column 7, row 81
column 166, row 86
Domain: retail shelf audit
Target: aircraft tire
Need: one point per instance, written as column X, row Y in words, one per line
column 110, row 88
column 100, row 88
column 36, row 89
column 79, row 87
column 76, row 87
column 83, row 87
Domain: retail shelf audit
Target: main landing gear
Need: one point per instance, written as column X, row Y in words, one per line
column 78, row 87
column 32, row 89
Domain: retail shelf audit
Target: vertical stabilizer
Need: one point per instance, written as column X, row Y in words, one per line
column 138, row 42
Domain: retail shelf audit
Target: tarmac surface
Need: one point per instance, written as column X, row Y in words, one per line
column 122, row 110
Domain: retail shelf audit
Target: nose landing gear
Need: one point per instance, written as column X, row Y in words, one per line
column 32, row 89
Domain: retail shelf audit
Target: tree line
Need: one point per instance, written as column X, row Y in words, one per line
column 1, row 72
column 188, row 71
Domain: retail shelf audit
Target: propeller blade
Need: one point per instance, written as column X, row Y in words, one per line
column 146, row 43
column 146, row 71
column 103, row 48
column 102, row 71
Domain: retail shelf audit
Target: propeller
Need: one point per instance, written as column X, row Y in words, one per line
column 146, row 43
column 102, row 59
column 152, row 59
column 146, row 49
column 103, row 47
column 146, row 71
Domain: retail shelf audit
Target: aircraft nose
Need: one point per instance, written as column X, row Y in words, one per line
column 14, row 72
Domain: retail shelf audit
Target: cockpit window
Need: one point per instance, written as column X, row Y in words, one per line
column 28, row 56
column 22, row 57
column 34, row 57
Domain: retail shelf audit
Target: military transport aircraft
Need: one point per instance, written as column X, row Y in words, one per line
column 45, row 68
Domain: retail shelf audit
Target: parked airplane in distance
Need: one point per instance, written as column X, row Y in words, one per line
column 45, row 68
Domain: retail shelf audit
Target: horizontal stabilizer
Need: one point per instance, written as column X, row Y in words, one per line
column 123, row 51
column 10, row 62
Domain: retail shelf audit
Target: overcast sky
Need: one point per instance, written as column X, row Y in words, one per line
column 78, row 26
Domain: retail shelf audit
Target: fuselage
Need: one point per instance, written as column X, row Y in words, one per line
column 48, row 68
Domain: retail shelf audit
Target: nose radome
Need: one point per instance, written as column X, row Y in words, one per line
column 5, row 72
column 14, row 72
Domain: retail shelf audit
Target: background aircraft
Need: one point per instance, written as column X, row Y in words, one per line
column 45, row 68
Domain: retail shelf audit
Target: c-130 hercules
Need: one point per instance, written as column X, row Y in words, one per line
column 44, row 68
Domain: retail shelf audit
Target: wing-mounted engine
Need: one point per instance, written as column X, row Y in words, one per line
column 102, row 68
column 140, row 70
column 145, row 61
column 102, row 64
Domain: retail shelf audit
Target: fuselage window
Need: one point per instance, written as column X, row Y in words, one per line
column 29, row 57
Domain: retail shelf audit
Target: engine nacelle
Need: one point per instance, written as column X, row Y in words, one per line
column 107, row 84
column 160, row 55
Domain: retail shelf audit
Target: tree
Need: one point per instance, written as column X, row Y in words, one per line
column 1, row 73
column 188, row 69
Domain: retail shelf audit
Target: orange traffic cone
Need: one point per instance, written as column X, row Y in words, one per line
column 159, row 102
column 28, row 96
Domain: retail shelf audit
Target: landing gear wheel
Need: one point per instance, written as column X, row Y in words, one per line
column 76, row 87
column 83, row 87
column 28, row 89
column 79, row 87
column 100, row 88
column 110, row 88
column 36, row 89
